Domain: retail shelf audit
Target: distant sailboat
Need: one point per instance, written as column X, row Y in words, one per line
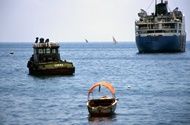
column 114, row 41
column 86, row 40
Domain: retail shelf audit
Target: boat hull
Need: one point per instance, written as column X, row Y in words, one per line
column 59, row 71
column 54, row 68
column 100, row 110
column 161, row 43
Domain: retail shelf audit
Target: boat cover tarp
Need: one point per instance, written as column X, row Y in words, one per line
column 106, row 84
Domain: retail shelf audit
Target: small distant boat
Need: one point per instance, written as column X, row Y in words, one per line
column 86, row 40
column 114, row 40
column 46, row 60
column 11, row 52
column 104, row 106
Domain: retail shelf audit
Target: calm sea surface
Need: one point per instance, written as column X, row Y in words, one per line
column 159, row 91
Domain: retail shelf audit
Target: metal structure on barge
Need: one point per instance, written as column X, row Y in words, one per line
column 161, row 31
column 46, row 60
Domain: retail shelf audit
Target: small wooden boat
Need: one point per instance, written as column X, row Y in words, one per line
column 104, row 106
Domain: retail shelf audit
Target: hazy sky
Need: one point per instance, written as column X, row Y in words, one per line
column 76, row 20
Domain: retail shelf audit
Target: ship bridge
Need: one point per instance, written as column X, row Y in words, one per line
column 46, row 51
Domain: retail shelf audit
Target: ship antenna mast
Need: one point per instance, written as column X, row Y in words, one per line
column 149, row 5
column 155, row 8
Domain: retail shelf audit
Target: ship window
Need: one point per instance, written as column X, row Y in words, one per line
column 48, row 50
column 179, row 26
column 53, row 50
column 40, row 51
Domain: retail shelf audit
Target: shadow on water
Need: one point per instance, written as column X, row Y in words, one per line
column 159, row 53
column 111, row 118
column 50, row 76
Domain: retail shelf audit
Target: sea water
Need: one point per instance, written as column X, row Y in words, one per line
column 152, row 88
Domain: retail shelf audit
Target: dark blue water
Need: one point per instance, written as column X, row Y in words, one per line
column 159, row 90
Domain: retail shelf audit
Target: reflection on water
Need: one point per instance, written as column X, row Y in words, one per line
column 111, row 118
column 43, row 77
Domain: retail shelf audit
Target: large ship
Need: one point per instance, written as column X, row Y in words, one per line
column 162, row 31
column 46, row 60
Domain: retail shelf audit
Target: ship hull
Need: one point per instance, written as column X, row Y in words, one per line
column 59, row 71
column 55, row 68
column 161, row 43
